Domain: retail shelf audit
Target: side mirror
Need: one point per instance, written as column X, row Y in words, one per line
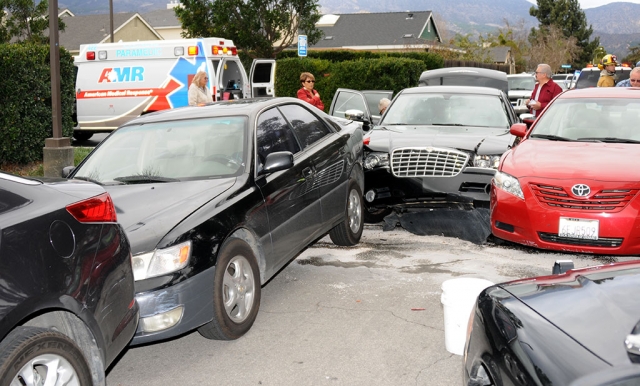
column 518, row 129
column 279, row 160
column 354, row 115
column 67, row 170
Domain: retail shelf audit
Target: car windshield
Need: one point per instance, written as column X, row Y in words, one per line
column 447, row 110
column 597, row 120
column 169, row 151
column 522, row 83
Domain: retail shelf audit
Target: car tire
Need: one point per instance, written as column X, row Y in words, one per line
column 41, row 352
column 375, row 215
column 349, row 231
column 82, row 135
column 236, row 292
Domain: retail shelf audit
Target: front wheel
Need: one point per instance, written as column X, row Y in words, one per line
column 38, row 356
column 349, row 231
column 236, row 292
column 82, row 135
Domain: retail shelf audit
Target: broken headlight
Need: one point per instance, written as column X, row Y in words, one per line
column 376, row 160
column 486, row 161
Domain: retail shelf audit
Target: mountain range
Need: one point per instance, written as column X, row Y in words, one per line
column 615, row 23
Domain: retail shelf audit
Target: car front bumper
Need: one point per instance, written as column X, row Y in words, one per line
column 467, row 188
column 533, row 223
column 193, row 296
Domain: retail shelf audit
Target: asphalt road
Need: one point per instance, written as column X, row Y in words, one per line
column 365, row 315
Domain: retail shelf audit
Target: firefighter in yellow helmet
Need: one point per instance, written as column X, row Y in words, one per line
column 607, row 68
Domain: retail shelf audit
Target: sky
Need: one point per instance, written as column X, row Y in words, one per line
column 584, row 4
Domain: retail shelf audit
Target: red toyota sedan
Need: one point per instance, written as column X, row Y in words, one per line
column 572, row 183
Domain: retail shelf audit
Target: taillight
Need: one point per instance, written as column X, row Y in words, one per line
column 192, row 50
column 366, row 141
column 95, row 209
column 234, row 51
column 91, row 55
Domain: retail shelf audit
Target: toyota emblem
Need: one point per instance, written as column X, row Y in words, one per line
column 580, row 190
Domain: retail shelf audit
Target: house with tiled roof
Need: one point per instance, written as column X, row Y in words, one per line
column 165, row 22
column 386, row 31
column 88, row 29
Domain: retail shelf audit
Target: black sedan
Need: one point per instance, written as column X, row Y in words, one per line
column 436, row 147
column 66, row 283
column 217, row 199
column 577, row 328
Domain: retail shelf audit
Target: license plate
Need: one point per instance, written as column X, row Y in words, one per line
column 578, row 228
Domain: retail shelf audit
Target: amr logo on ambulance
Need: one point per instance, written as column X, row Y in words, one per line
column 122, row 74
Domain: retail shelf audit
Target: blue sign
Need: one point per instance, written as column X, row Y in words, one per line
column 566, row 66
column 302, row 45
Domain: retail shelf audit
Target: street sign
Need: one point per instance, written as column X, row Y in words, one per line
column 302, row 45
column 566, row 66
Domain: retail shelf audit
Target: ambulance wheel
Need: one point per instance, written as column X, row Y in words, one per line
column 82, row 135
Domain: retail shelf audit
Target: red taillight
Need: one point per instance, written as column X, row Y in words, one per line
column 95, row 209
column 366, row 141
column 91, row 55
column 234, row 51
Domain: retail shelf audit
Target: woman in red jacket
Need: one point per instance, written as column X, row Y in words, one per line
column 307, row 93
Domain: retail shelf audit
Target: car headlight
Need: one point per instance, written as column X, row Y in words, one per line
column 508, row 183
column 376, row 159
column 487, row 161
column 161, row 261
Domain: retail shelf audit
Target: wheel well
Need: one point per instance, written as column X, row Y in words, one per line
column 252, row 240
column 70, row 325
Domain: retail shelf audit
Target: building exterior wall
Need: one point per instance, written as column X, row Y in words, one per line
column 429, row 32
column 133, row 31
column 170, row 33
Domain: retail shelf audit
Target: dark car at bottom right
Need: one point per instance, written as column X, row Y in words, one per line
column 578, row 328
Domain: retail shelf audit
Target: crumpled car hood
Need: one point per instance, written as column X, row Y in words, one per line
column 596, row 309
column 480, row 139
column 147, row 212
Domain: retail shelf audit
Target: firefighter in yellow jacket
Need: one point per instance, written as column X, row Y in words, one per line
column 607, row 68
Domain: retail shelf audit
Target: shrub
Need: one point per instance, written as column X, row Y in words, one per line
column 25, row 97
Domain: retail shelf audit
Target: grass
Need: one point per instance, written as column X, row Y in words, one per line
column 35, row 169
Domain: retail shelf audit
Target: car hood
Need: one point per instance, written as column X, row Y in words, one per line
column 568, row 160
column 593, row 307
column 481, row 140
column 519, row 93
column 147, row 212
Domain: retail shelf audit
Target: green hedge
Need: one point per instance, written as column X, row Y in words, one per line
column 374, row 74
column 25, row 97
column 431, row 60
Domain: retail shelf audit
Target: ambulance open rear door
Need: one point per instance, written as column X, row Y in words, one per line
column 263, row 75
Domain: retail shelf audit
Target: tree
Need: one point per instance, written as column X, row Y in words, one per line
column 25, row 21
column 634, row 55
column 553, row 48
column 516, row 38
column 265, row 27
column 571, row 20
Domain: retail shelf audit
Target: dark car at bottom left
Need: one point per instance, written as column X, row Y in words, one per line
column 66, row 283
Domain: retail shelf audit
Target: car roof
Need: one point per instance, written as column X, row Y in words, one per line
column 452, row 90
column 524, row 75
column 597, row 69
column 602, row 92
column 468, row 71
column 222, row 108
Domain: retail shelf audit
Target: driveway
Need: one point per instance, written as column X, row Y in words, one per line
column 366, row 315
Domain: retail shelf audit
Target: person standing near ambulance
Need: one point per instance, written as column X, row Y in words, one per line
column 307, row 93
column 199, row 93
column 607, row 68
column 544, row 91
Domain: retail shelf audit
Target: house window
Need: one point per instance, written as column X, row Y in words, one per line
column 328, row 38
column 408, row 36
column 429, row 27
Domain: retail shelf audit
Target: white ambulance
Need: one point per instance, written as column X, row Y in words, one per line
column 117, row 82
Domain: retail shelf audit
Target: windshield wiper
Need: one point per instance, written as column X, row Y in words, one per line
column 87, row 179
column 608, row 139
column 144, row 179
column 447, row 124
column 550, row 137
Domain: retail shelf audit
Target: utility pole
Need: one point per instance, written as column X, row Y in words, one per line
column 57, row 152
column 111, row 19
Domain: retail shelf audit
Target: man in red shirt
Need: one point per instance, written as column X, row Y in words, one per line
column 544, row 91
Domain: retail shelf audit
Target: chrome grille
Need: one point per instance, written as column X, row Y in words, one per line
column 427, row 162
column 607, row 200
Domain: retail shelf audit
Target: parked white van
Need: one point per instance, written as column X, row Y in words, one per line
column 117, row 82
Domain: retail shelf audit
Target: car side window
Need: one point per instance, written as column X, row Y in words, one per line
column 307, row 127
column 348, row 101
column 274, row 134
